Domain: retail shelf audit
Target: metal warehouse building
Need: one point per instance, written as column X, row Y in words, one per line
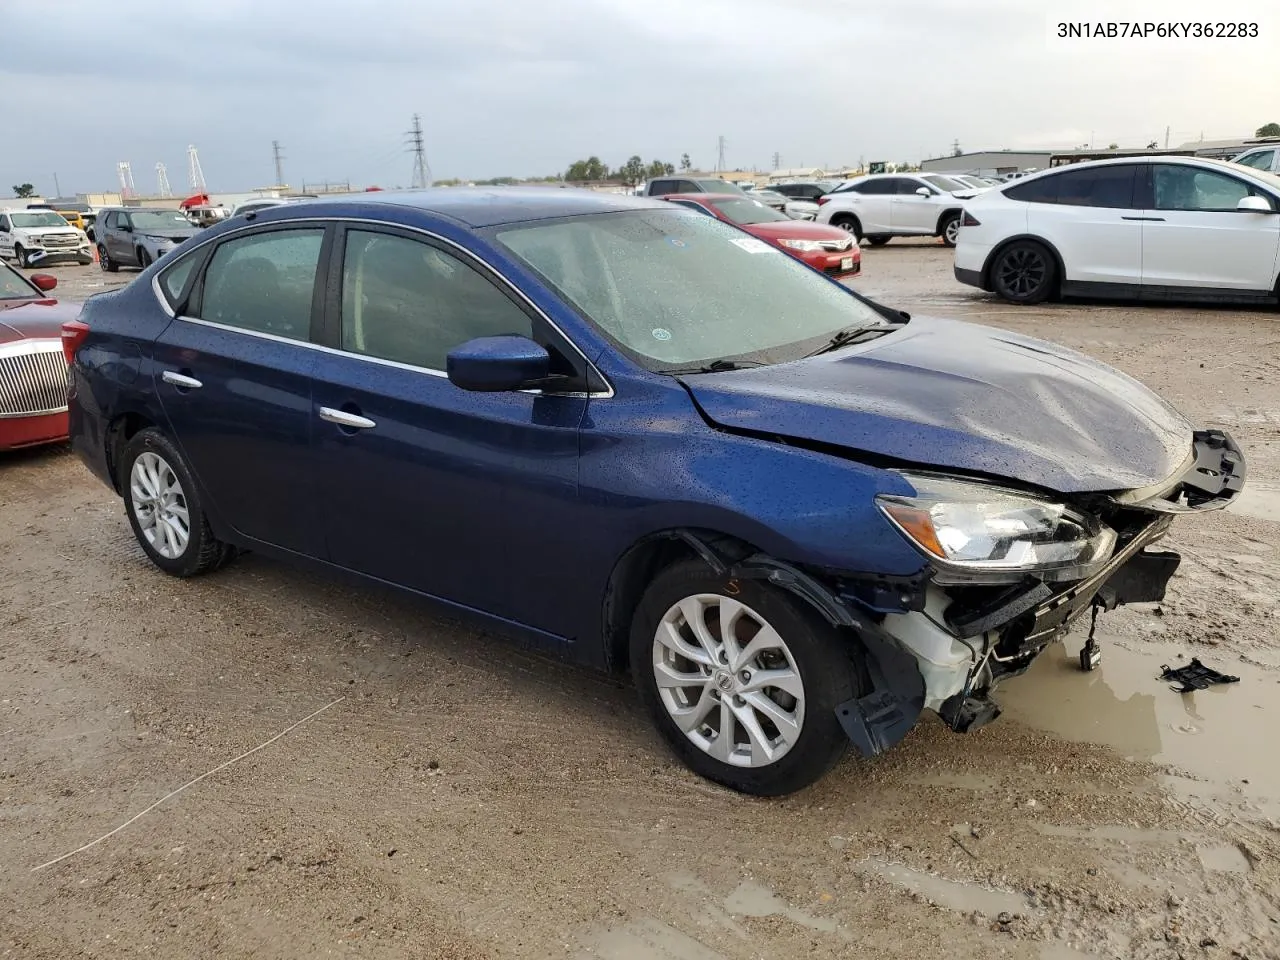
column 990, row 163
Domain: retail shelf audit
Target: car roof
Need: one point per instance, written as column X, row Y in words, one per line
column 710, row 197
column 485, row 207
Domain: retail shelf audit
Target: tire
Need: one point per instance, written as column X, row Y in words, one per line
column 144, row 258
column 820, row 662
column 949, row 230
column 24, row 258
column 105, row 262
column 155, row 479
column 89, row 234
column 1024, row 272
column 847, row 221
column 879, row 240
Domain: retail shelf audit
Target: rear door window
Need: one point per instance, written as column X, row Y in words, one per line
column 263, row 283
column 1110, row 186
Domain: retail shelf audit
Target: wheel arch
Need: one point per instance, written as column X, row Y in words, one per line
column 120, row 430
column 1035, row 238
column 846, row 215
column 946, row 215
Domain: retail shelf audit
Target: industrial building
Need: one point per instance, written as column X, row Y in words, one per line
column 989, row 163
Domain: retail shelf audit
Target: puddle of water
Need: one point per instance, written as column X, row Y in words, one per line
column 953, row 894
column 1214, row 733
column 1223, row 859
column 754, row 900
column 1259, row 500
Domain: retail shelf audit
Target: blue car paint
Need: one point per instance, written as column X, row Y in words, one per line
column 515, row 506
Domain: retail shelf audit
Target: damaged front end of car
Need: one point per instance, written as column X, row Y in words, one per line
column 1008, row 573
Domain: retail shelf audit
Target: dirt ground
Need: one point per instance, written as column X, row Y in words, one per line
column 459, row 798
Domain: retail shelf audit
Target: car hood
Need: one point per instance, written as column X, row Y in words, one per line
column 46, row 231
column 34, row 319
column 960, row 397
column 797, row 230
column 172, row 233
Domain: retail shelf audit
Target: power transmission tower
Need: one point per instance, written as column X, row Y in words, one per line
column 777, row 160
column 720, row 156
column 955, row 148
column 421, row 171
column 275, row 150
column 162, row 181
column 194, row 174
column 127, row 188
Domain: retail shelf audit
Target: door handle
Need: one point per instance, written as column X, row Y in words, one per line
column 343, row 419
column 180, row 380
column 1147, row 219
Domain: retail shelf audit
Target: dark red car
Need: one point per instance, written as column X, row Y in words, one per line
column 33, row 369
column 833, row 251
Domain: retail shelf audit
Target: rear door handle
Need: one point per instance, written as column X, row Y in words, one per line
column 352, row 421
column 1147, row 219
column 181, row 380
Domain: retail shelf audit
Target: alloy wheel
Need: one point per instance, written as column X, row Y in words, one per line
column 952, row 231
column 160, row 505
column 728, row 680
column 1022, row 272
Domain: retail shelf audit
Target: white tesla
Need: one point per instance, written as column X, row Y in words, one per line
column 1146, row 228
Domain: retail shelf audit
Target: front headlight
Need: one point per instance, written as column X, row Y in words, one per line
column 804, row 246
column 160, row 239
column 975, row 533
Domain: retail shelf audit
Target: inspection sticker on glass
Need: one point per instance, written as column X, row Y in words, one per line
column 751, row 244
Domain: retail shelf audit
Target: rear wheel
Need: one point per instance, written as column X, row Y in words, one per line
column 163, row 505
column 105, row 261
column 950, row 231
column 742, row 679
column 848, row 223
column 1024, row 272
column 879, row 240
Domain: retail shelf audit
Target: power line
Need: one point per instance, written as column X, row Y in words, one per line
column 421, row 171
column 275, row 150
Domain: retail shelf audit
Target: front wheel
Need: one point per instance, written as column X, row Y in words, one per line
column 1024, row 272
column 144, row 258
column 24, row 258
column 105, row 262
column 742, row 679
column 164, row 508
column 950, row 232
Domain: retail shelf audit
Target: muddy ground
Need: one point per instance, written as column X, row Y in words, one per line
column 461, row 799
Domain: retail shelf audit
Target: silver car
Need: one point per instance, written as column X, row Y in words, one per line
column 138, row 236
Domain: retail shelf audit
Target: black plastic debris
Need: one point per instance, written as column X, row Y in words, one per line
column 1194, row 676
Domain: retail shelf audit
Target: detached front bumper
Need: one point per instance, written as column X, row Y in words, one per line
column 77, row 254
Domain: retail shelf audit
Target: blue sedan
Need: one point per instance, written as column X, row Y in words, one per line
column 640, row 439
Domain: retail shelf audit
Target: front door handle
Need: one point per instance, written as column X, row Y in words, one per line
column 352, row 421
column 182, row 381
column 1145, row 219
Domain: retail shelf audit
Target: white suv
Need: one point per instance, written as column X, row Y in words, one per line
column 1261, row 158
column 41, row 236
column 885, row 205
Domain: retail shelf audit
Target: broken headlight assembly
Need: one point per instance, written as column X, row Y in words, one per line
column 978, row 533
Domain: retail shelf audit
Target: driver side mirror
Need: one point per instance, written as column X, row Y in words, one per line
column 1254, row 205
column 125, row 228
column 498, row 364
column 924, row 192
column 44, row 281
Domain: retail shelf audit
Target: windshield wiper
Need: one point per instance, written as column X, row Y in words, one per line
column 849, row 335
column 717, row 366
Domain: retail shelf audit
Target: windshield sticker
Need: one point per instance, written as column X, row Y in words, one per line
column 751, row 244
column 661, row 334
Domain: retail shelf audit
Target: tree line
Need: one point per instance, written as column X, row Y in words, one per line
column 634, row 171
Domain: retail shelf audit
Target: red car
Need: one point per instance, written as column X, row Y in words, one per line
column 33, row 369
column 833, row 251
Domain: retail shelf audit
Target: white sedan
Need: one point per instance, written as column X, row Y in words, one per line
column 1148, row 228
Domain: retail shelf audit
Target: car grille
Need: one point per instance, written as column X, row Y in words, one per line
column 835, row 246
column 33, row 378
column 60, row 241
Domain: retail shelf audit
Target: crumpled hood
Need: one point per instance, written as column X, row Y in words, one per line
column 966, row 398
column 172, row 233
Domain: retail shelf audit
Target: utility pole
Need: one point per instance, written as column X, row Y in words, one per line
column 56, row 189
column 720, row 155
column 1166, row 138
column 955, row 147
column 275, row 151
column 777, row 160
column 421, row 172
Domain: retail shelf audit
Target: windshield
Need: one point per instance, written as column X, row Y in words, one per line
column 159, row 220
column 946, row 183
column 38, row 218
column 675, row 290
column 12, row 286
column 748, row 211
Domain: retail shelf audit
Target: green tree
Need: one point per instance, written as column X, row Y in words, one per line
column 1269, row 130
column 632, row 172
column 659, row 169
column 24, row 190
column 685, row 163
column 1113, row 146
column 589, row 169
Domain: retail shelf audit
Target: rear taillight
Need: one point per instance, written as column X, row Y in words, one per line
column 73, row 335
column 970, row 220
column 822, row 200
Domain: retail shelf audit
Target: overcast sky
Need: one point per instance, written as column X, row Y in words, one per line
column 524, row 87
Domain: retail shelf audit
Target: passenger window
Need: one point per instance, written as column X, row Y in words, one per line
column 264, row 283
column 1259, row 161
column 406, row 301
column 1110, row 186
column 876, row 187
column 173, row 281
column 1040, row 190
column 660, row 188
column 1193, row 188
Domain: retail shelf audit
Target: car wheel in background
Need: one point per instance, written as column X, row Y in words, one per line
column 849, row 223
column 105, row 261
column 951, row 230
column 24, row 258
column 164, row 509
column 879, row 240
column 742, row 679
column 1024, row 272
column 144, row 258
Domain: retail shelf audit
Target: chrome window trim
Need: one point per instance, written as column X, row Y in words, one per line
column 483, row 265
